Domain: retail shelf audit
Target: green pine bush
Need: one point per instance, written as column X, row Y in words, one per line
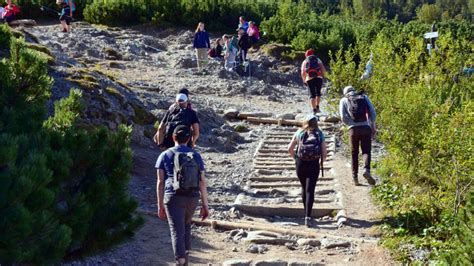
column 63, row 189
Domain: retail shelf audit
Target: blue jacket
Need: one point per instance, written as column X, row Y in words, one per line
column 201, row 40
column 346, row 118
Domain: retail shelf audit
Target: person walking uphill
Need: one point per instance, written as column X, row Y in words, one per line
column 310, row 149
column 180, row 182
column 312, row 74
column 201, row 45
column 65, row 18
column 357, row 112
column 10, row 11
column 178, row 114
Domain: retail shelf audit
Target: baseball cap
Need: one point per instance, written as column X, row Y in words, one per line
column 184, row 91
column 310, row 117
column 181, row 97
column 348, row 89
column 182, row 131
column 309, row 52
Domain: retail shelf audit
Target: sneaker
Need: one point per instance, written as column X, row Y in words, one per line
column 369, row 178
column 64, row 30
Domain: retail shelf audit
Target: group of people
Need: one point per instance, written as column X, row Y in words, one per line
column 10, row 12
column 232, row 49
column 180, row 168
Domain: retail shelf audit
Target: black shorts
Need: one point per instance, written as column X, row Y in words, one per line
column 314, row 86
column 65, row 16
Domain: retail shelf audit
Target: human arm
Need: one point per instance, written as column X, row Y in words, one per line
column 291, row 146
column 324, row 151
column 204, row 201
column 372, row 116
column 303, row 72
column 195, row 40
column 160, row 193
column 342, row 112
column 160, row 133
column 73, row 6
column 323, row 69
column 195, row 129
column 208, row 41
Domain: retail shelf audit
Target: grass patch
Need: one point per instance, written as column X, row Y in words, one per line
column 142, row 116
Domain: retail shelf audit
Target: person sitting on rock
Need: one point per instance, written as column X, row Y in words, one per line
column 253, row 32
column 230, row 52
column 310, row 149
column 67, row 8
column 10, row 11
column 216, row 51
column 178, row 114
column 178, row 200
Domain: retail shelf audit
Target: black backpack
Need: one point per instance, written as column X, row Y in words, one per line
column 358, row 107
column 309, row 146
column 177, row 118
column 187, row 172
column 312, row 67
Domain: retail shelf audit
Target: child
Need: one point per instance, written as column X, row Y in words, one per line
column 216, row 52
column 65, row 18
column 10, row 11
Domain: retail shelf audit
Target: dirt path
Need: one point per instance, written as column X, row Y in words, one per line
column 154, row 64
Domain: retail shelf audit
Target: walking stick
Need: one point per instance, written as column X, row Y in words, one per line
column 322, row 167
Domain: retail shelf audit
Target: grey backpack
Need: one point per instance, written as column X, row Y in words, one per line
column 187, row 172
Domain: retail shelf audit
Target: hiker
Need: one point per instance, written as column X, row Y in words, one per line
column 216, row 51
column 180, row 181
column 368, row 68
column 67, row 8
column 310, row 150
column 243, row 24
column 201, row 45
column 357, row 112
column 243, row 44
column 10, row 11
column 312, row 74
column 230, row 52
column 253, row 32
column 179, row 114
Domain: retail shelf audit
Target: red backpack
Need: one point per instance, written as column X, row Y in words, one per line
column 313, row 69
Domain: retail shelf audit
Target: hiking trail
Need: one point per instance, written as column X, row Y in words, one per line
column 131, row 75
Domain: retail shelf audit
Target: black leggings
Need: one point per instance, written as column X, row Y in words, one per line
column 308, row 173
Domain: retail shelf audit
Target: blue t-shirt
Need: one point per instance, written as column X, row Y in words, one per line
column 300, row 133
column 166, row 162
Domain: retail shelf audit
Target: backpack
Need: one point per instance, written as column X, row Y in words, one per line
column 175, row 120
column 212, row 53
column 309, row 146
column 234, row 45
column 312, row 67
column 187, row 172
column 358, row 107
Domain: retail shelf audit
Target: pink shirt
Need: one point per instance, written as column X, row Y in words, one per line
column 253, row 31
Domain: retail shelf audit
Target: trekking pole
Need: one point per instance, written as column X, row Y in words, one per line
column 322, row 167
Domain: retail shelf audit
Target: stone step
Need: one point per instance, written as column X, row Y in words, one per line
column 325, row 191
column 283, row 184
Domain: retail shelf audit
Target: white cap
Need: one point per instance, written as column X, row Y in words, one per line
column 181, row 97
column 348, row 89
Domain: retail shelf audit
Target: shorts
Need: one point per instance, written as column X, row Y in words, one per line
column 65, row 17
column 314, row 86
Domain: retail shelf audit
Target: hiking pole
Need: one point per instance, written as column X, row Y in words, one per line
column 45, row 8
column 322, row 167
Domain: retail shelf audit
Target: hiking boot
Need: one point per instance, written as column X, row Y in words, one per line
column 307, row 222
column 369, row 178
column 356, row 181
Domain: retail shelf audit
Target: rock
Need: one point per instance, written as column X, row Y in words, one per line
column 331, row 243
column 112, row 54
column 271, row 263
column 308, row 242
column 259, row 233
column 116, row 65
column 300, row 263
column 185, row 63
column 237, row 262
column 231, row 113
column 286, row 116
column 257, row 249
